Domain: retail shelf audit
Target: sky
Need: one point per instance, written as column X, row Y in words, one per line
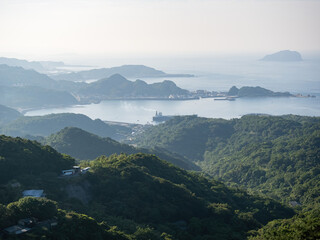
column 55, row 29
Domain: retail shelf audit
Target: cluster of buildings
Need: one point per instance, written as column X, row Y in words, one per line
column 75, row 171
column 28, row 224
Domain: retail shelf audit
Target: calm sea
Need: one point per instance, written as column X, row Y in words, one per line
column 301, row 77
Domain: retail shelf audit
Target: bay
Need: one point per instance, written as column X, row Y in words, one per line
column 142, row 111
column 216, row 75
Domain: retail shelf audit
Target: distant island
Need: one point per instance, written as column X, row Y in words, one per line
column 283, row 56
column 255, row 92
column 128, row 71
column 27, row 89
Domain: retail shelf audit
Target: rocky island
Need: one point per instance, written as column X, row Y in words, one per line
column 283, row 56
column 255, row 92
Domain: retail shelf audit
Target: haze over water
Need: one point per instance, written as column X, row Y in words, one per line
column 216, row 75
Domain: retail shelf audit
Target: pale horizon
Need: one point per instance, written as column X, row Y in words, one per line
column 70, row 30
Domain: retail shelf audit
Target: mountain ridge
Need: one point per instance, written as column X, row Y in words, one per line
column 128, row 71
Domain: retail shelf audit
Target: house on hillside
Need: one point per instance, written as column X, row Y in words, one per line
column 294, row 204
column 33, row 193
column 85, row 170
column 27, row 222
column 16, row 230
column 69, row 172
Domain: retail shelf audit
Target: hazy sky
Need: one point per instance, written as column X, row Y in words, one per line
column 42, row 28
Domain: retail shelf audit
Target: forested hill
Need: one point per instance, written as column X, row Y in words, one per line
column 147, row 190
column 21, row 159
column 141, row 196
column 87, row 146
column 277, row 156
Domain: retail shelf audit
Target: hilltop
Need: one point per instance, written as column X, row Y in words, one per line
column 52, row 123
column 87, row 146
column 118, row 87
column 256, row 92
column 128, row 71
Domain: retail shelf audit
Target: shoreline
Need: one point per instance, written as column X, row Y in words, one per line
column 79, row 104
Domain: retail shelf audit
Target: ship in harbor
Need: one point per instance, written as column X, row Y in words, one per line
column 161, row 118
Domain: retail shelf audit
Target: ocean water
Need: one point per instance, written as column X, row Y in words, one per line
column 217, row 75
column 142, row 111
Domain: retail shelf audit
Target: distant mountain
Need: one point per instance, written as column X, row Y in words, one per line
column 8, row 114
column 283, row 56
column 117, row 86
column 22, row 63
column 256, row 92
column 84, row 146
column 39, row 66
column 49, row 124
column 34, row 97
column 18, row 76
column 128, row 71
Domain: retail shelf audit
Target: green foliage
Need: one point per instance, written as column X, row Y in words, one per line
column 70, row 226
column 189, row 136
column 305, row 226
column 147, row 190
column 86, row 146
column 39, row 208
column 22, row 159
column 276, row 156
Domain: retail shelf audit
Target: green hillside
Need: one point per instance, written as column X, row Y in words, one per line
column 277, row 156
column 20, row 158
column 124, row 197
column 87, row 146
column 70, row 225
column 306, row 225
column 143, row 188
